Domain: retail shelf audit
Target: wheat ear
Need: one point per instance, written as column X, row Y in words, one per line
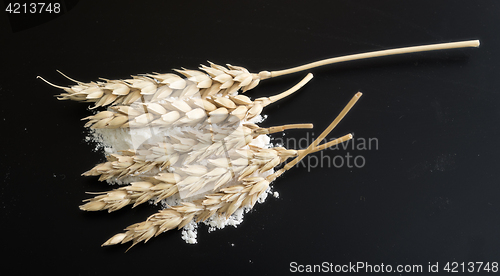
column 179, row 150
column 219, row 171
column 207, row 82
column 210, row 81
column 170, row 111
column 225, row 202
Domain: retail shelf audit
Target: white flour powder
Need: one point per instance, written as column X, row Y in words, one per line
column 112, row 141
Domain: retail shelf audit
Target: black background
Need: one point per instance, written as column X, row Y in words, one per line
column 430, row 193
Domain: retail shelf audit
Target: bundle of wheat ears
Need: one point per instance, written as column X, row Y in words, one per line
column 202, row 144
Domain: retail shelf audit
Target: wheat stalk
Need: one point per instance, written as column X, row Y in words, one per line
column 172, row 111
column 225, row 202
column 219, row 171
column 207, row 158
column 210, row 81
column 175, row 150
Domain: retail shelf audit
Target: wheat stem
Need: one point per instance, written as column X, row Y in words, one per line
column 275, row 129
column 314, row 144
column 331, row 143
column 391, row 52
column 296, row 87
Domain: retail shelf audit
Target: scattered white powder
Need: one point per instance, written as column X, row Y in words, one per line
column 189, row 232
column 112, row 141
column 258, row 119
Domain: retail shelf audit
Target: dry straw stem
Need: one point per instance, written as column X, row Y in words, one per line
column 322, row 136
column 223, row 203
column 210, row 81
column 390, row 52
